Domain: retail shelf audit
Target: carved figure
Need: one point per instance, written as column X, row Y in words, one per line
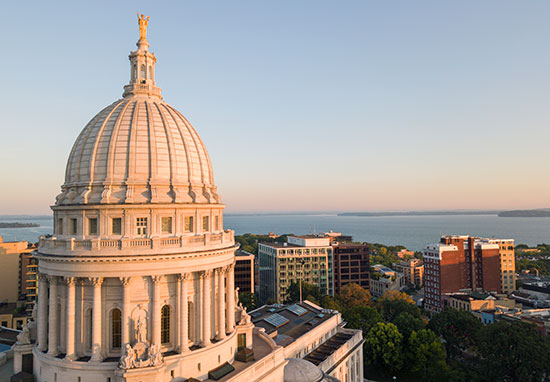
column 34, row 311
column 24, row 337
column 143, row 21
column 128, row 359
column 141, row 329
column 237, row 296
column 244, row 317
column 154, row 355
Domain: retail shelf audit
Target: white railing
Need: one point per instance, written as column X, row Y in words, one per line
column 55, row 245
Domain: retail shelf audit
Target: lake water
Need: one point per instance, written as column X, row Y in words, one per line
column 414, row 232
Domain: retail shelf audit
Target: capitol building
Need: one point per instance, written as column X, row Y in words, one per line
column 136, row 283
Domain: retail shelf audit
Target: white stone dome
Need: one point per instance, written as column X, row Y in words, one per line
column 139, row 150
column 300, row 370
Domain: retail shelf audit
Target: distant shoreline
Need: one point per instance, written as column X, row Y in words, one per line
column 19, row 225
column 419, row 213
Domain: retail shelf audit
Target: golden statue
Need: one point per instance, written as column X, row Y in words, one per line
column 143, row 21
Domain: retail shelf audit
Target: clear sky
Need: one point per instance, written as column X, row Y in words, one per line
column 302, row 105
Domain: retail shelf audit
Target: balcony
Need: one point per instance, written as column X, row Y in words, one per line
column 131, row 246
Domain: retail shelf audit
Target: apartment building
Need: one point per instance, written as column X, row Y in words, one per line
column 459, row 262
column 244, row 271
column 308, row 258
column 412, row 270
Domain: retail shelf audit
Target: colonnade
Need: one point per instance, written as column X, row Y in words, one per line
column 223, row 316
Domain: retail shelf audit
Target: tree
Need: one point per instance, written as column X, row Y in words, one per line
column 383, row 347
column 514, row 352
column 308, row 290
column 392, row 303
column 329, row 302
column 458, row 328
column 352, row 295
column 248, row 300
column 407, row 324
column 362, row 317
column 426, row 357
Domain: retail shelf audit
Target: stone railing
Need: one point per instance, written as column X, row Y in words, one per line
column 98, row 246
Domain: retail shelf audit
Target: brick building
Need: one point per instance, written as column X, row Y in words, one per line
column 460, row 262
column 412, row 270
column 351, row 265
column 244, row 271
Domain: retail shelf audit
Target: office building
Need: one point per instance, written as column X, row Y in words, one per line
column 351, row 265
column 305, row 258
column 244, row 271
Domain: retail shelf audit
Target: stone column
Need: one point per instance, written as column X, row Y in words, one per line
column 155, row 338
column 221, row 303
column 184, row 315
column 125, row 317
column 62, row 330
column 206, row 301
column 230, row 297
column 42, row 334
column 96, row 320
column 69, row 314
column 52, row 317
column 177, row 313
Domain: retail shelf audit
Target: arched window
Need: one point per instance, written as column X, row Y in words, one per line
column 116, row 329
column 143, row 72
column 89, row 326
column 165, row 325
column 151, row 73
column 190, row 315
column 134, row 72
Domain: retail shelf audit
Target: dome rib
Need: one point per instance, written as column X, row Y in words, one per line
column 113, row 143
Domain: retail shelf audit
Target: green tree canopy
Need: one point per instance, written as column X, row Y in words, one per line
column 458, row 328
column 248, row 300
column 309, row 291
column 393, row 303
column 514, row 352
column 362, row 317
column 426, row 357
column 353, row 295
column 383, row 347
column 407, row 323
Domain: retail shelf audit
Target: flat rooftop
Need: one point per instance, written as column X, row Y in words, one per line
column 289, row 321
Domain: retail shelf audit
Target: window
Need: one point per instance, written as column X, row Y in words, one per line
column 165, row 325
column 141, row 225
column 92, row 226
column 116, row 326
column 166, row 223
column 74, row 226
column 217, row 223
column 205, row 223
column 116, row 226
column 143, row 72
column 59, row 226
column 189, row 224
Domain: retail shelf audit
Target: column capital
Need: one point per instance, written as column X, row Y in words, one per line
column 96, row 281
column 205, row 274
column 125, row 281
column 52, row 279
column 70, row 281
column 156, row 279
column 42, row 277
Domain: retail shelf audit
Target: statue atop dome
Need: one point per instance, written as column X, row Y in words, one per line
column 143, row 21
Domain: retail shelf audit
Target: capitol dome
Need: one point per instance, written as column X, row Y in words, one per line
column 139, row 149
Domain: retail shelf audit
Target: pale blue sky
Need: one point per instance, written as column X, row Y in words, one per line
column 302, row 105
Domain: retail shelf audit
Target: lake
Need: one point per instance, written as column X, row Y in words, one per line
column 414, row 232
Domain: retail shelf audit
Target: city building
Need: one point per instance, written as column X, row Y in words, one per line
column 244, row 271
column 351, row 265
column 337, row 237
column 12, row 315
column 404, row 253
column 383, row 279
column 137, row 283
column 317, row 335
column 507, row 263
column 412, row 270
column 307, row 258
column 18, row 271
column 459, row 262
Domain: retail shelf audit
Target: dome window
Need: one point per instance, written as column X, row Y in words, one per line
column 116, row 226
column 166, row 224
column 92, row 226
column 189, row 224
column 141, row 225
